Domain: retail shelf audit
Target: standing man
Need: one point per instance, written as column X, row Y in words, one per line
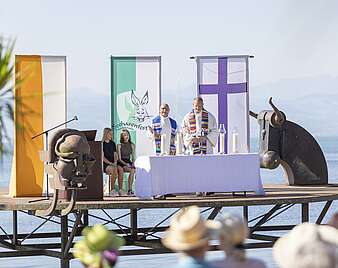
column 163, row 127
column 199, row 127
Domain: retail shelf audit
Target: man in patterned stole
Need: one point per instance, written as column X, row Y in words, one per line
column 199, row 128
column 163, row 127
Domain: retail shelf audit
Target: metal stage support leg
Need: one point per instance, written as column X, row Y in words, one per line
column 85, row 218
column 305, row 212
column 73, row 233
column 265, row 218
column 324, row 211
column 133, row 223
column 214, row 213
column 246, row 213
column 15, row 228
column 64, row 261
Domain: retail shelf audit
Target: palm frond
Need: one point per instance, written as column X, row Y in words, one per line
column 6, row 92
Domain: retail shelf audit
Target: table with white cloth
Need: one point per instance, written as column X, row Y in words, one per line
column 161, row 175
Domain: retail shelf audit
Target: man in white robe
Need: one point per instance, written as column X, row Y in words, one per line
column 199, row 128
column 163, row 132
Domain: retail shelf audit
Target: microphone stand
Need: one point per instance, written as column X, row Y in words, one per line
column 46, row 148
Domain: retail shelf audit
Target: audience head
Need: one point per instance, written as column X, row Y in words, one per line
column 125, row 136
column 98, row 247
column 107, row 134
column 188, row 233
column 197, row 104
column 308, row 246
column 164, row 110
column 232, row 231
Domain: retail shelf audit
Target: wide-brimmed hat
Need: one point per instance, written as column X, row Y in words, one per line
column 232, row 227
column 188, row 230
column 308, row 245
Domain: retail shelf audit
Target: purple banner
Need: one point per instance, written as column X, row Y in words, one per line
column 222, row 89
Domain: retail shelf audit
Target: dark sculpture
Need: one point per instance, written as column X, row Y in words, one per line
column 68, row 165
column 286, row 143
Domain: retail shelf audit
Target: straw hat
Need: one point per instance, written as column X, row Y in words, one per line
column 187, row 231
column 308, row 245
column 232, row 231
column 232, row 228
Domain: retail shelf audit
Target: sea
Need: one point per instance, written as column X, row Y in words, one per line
column 150, row 217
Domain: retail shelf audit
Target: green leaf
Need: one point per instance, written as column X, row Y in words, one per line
column 6, row 92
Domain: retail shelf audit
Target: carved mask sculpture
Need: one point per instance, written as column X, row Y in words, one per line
column 68, row 165
column 75, row 160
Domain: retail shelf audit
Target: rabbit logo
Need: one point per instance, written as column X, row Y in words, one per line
column 140, row 111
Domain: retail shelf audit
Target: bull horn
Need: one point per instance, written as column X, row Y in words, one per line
column 279, row 117
column 51, row 209
column 253, row 114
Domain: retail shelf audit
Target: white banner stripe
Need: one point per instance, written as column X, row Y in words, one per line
column 211, row 105
column 53, row 93
column 236, row 70
column 237, row 118
column 147, row 79
column 208, row 71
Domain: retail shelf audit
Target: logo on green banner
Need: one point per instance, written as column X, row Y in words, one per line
column 140, row 108
column 134, row 109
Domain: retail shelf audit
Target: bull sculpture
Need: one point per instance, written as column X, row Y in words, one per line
column 67, row 163
column 282, row 142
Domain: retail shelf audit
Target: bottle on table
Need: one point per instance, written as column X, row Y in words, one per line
column 222, row 132
column 235, row 140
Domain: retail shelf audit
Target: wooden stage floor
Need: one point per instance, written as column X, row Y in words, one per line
column 275, row 194
column 58, row 242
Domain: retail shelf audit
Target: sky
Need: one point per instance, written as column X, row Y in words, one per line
column 289, row 39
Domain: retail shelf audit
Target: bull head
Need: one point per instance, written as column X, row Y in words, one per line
column 286, row 143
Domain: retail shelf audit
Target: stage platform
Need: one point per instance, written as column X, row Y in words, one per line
column 146, row 240
column 275, row 194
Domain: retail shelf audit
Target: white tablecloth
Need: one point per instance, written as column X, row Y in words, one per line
column 160, row 175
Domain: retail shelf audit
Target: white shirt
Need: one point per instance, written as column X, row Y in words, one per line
column 165, row 134
column 198, row 123
column 212, row 134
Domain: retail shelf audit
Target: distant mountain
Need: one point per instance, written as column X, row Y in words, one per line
column 297, row 87
column 310, row 102
column 92, row 109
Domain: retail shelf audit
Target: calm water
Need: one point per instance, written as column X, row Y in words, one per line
column 151, row 217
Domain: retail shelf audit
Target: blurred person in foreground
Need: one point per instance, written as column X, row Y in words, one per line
column 232, row 232
column 333, row 221
column 98, row 248
column 188, row 235
column 308, row 245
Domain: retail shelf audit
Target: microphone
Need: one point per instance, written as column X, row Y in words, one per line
column 46, row 131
